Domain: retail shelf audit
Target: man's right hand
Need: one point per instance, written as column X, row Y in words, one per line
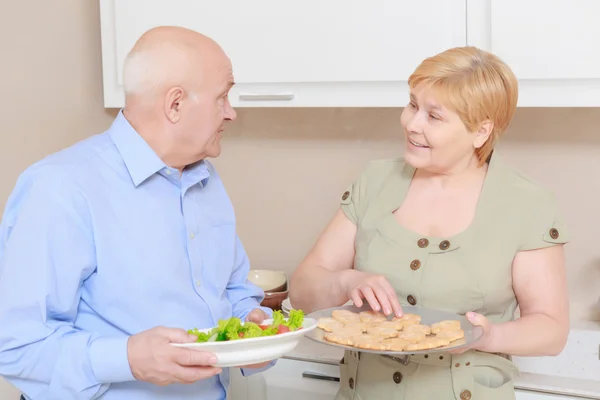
column 153, row 359
column 375, row 289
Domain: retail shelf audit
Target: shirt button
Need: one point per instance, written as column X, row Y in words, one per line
column 422, row 243
column 465, row 395
column 444, row 245
column 397, row 377
column 192, row 236
column 411, row 300
column 415, row 265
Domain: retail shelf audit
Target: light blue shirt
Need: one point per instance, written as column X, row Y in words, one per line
column 101, row 241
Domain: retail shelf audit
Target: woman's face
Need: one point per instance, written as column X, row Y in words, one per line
column 436, row 138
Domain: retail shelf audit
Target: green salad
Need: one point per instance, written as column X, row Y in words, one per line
column 234, row 329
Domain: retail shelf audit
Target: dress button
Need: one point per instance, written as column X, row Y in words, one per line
column 411, row 300
column 444, row 245
column 554, row 233
column 415, row 265
column 345, row 195
column 351, row 383
column 397, row 377
column 422, row 243
column 465, row 395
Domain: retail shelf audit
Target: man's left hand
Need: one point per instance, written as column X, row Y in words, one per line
column 257, row 316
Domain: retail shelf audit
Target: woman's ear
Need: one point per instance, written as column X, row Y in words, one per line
column 483, row 133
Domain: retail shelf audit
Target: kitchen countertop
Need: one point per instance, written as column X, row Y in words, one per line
column 311, row 351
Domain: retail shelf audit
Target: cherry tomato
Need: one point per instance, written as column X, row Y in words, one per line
column 282, row 329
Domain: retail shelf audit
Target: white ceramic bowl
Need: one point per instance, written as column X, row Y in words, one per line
column 237, row 353
column 268, row 280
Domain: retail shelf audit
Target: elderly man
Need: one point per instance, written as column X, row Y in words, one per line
column 111, row 248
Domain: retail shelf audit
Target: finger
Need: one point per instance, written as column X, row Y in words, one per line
column 383, row 299
column 356, row 298
column 176, row 335
column 193, row 358
column 370, row 297
column 393, row 299
column 478, row 320
column 194, row 374
column 257, row 316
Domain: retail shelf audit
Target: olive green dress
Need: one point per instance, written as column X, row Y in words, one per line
column 470, row 271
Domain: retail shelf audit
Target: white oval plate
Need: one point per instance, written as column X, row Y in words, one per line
column 237, row 353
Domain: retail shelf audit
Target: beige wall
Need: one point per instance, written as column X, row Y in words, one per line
column 285, row 171
column 284, row 168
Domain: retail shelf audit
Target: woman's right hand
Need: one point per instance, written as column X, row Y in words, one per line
column 375, row 289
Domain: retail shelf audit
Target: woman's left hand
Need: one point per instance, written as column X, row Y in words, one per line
column 484, row 342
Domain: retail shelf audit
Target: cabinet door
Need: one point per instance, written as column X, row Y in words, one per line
column 552, row 46
column 301, row 53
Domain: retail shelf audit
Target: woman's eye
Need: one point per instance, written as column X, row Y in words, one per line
column 433, row 116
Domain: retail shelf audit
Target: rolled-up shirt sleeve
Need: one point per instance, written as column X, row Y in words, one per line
column 46, row 254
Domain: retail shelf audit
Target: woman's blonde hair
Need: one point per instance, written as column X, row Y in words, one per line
column 475, row 84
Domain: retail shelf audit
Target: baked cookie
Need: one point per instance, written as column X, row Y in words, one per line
column 343, row 338
column 451, row 335
column 383, row 332
column 411, row 337
column 408, row 318
column 445, row 325
column 395, row 344
column 357, row 327
column 397, row 325
column 437, row 341
column 329, row 324
column 372, row 316
column 371, row 342
column 418, row 328
column 345, row 316
column 420, row 345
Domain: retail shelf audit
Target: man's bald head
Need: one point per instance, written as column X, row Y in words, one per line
column 177, row 84
column 169, row 56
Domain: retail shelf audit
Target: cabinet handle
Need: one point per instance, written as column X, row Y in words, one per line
column 311, row 375
column 266, row 97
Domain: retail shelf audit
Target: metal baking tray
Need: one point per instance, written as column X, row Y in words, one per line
column 428, row 316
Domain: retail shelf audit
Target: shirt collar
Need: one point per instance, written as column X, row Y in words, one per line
column 141, row 161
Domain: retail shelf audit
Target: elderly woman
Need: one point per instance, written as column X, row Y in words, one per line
column 448, row 226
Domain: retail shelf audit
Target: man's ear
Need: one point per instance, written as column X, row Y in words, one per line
column 483, row 133
column 173, row 100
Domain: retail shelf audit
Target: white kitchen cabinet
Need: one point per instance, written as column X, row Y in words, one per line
column 552, row 46
column 308, row 53
column 357, row 53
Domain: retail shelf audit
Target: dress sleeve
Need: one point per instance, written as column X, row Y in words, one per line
column 353, row 199
column 543, row 225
